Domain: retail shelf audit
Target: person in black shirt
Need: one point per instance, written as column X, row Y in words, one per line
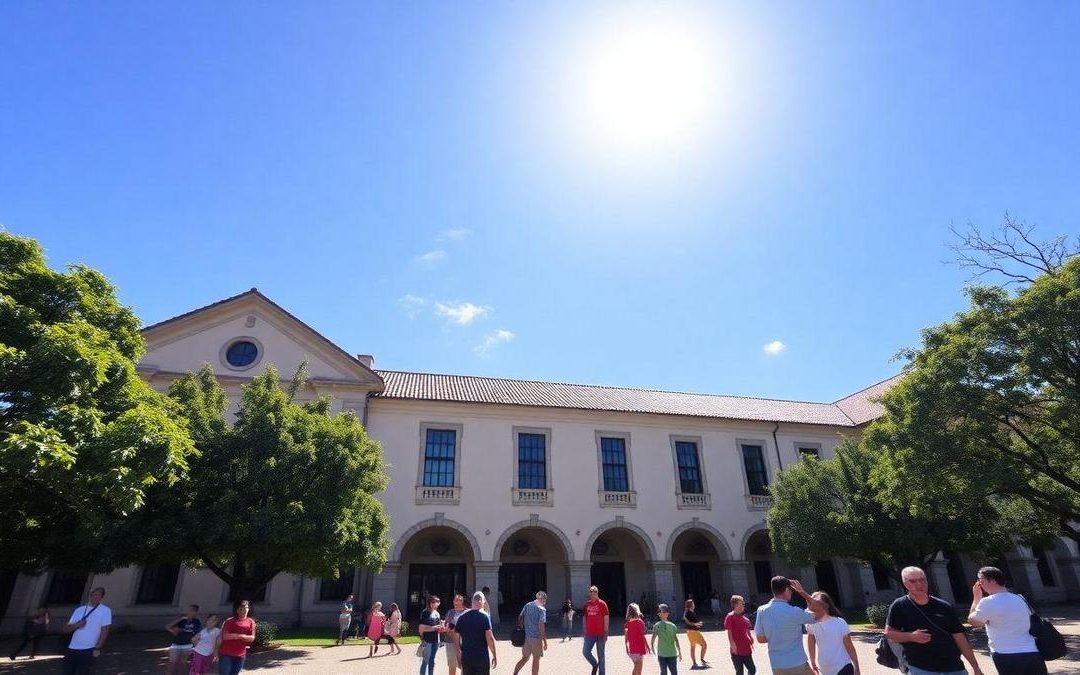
column 931, row 634
column 693, row 633
column 183, row 629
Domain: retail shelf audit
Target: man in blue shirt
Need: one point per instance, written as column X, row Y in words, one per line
column 780, row 626
column 472, row 638
column 533, row 618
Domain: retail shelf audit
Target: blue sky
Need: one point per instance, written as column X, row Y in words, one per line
column 431, row 182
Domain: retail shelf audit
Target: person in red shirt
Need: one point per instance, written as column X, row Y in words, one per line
column 634, row 636
column 236, row 635
column 596, row 630
column 738, row 634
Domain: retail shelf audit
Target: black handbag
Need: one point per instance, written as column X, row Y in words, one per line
column 885, row 654
column 1048, row 640
column 517, row 637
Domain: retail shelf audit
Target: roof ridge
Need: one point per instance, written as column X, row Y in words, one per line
column 880, row 382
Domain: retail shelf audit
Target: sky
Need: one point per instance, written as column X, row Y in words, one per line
column 738, row 198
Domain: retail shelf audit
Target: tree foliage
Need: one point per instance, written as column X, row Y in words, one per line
column 82, row 437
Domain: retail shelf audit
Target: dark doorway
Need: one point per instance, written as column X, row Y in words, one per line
column 610, row 578
column 697, row 583
column 7, row 585
column 518, row 584
column 826, row 580
column 958, row 581
column 426, row 580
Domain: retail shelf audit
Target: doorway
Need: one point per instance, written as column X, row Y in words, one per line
column 427, row 579
column 518, row 584
column 697, row 583
column 826, row 580
column 610, row 578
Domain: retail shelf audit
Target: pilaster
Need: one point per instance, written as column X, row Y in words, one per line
column 384, row 585
column 487, row 574
column 938, row 573
column 580, row 577
column 664, row 583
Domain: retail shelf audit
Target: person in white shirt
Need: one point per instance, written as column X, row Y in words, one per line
column 89, row 628
column 1007, row 619
column 206, row 642
column 829, row 640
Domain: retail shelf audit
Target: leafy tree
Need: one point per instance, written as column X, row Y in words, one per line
column 288, row 487
column 82, row 437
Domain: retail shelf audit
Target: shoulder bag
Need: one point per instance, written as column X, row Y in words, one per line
column 1048, row 640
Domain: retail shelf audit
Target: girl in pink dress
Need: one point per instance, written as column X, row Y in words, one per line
column 375, row 627
column 634, row 636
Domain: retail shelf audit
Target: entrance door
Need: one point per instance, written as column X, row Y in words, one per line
column 518, row 584
column 610, row 578
column 426, row 580
column 826, row 580
column 697, row 582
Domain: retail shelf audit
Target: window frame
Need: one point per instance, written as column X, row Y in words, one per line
column 46, row 597
column 535, row 431
column 801, row 445
column 739, row 443
column 137, row 600
column 458, row 430
column 674, row 440
column 259, row 353
column 353, row 573
column 625, row 436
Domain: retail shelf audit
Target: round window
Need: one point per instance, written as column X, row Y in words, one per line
column 241, row 354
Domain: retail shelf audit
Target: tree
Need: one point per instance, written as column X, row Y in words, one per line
column 288, row 487
column 831, row 508
column 82, row 437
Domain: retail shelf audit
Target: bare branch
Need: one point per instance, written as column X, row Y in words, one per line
column 1011, row 252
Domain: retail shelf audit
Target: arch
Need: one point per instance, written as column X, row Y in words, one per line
column 749, row 534
column 399, row 545
column 650, row 550
column 568, row 548
column 714, row 535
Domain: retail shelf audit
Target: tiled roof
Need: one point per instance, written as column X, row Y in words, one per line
column 862, row 406
column 470, row 389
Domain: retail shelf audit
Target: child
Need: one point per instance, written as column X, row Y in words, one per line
column 183, row 630
column 634, row 636
column 693, row 634
column 739, row 639
column 567, row 612
column 669, row 642
column 375, row 628
column 829, row 641
column 35, row 627
column 204, row 653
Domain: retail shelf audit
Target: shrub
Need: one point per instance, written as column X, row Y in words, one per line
column 876, row 614
column 265, row 634
column 404, row 628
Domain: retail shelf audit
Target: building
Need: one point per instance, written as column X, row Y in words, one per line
column 521, row 485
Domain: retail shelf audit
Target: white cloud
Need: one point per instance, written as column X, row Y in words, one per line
column 412, row 305
column 431, row 257
column 454, row 234
column 493, row 339
column 774, row 348
column 461, row 313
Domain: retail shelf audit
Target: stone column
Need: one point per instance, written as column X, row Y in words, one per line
column 664, row 583
column 580, row 577
column 869, row 584
column 1026, row 576
column 1069, row 569
column 487, row 574
column 737, row 580
column 938, row 572
column 384, row 585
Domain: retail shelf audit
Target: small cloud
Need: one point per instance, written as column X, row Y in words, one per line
column 774, row 348
column 461, row 313
column 412, row 305
column 431, row 257
column 454, row 234
column 493, row 339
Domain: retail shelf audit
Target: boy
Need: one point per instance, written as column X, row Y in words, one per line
column 183, row 629
column 669, row 642
column 738, row 634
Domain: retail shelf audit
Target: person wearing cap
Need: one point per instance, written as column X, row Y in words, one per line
column 779, row 626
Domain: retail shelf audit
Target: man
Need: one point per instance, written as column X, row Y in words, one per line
column 780, row 626
column 927, row 628
column 1007, row 618
column 183, row 629
column 693, row 634
column 89, row 626
column 534, row 619
column 596, row 630
column 431, row 627
column 451, row 620
column 473, row 639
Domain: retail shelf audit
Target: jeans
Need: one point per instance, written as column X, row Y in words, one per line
column 229, row 665
column 912, row 670
column 427, row 663
column 743, row 661
column 78, row 661
column 668, row 664
column 1028, row 663
column 587, row 647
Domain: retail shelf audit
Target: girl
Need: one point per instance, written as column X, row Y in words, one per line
column 634, row 636
column 206, row 645
column 391, row 629
column 345, row 618
column 829, row 641
column 567, row 612
column 375, row 628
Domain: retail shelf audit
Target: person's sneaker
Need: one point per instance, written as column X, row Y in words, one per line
column 595, row 668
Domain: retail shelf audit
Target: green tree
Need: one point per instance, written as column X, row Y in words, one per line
column 82, row 437
column 287, row 487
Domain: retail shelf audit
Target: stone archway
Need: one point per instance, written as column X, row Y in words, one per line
column 623, row 560
column 435, row 557
column 640, row 535
column 700, row 566
column 533, row 555
column 395, row 552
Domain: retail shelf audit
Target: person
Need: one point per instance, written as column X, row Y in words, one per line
column 459, row 608
column 533, row 618
column 205, row 647
column 780, row 627
column 693, row 634
column 391, row 629
column 927, row 629
column 596, row 630
column 668, row 635
column 634, row 636
column 431, row 628
column 1007, row 619
column 567, row 613
column 829, row 641
column 375, row 622
column 89, row 627
column 714, row 606
column 472, row 639
column 36, row 626
column 345, row 618
column 740, row 641
column 183, row 629
column 237, row 634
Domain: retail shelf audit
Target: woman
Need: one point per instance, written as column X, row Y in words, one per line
column 829, row 641
column 391, row 630
column 35, row 627
column 237, row 634
column 375, row 628
column 567, row 612
column 634, row 636
column 345, row 618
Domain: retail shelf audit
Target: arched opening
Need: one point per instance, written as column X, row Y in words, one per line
column 533, row 559
column 620, row 568
column 764, row 565
column 437, row 560
column 698, row 572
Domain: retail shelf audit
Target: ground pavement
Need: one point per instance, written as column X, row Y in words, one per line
column 128, row 654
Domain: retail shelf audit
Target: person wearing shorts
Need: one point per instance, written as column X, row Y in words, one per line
column 533, row 618
column 634, row 636
column 693, row 634
column 183, row 629
column 451, row 621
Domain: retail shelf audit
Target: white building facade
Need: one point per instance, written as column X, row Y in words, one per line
column 519, row 486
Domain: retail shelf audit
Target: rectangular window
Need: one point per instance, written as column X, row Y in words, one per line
column 808, row 451
column 157, row 584
column 260, row 595
column 532, row 461
column 335, row 590
column 66, row 588
column 763, row 576
column 881, row 576
column 757, row 478
column 686, row 454
column 1046, row 576
column 613, row 463
column 439, row 457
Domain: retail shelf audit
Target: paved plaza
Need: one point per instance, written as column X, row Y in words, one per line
column 127, row 655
